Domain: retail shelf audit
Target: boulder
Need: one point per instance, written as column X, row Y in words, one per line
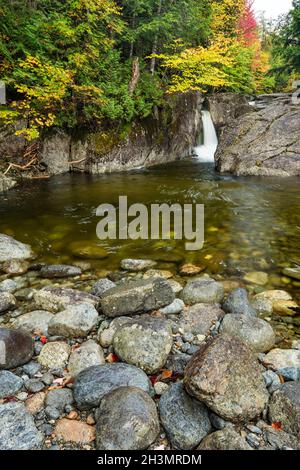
column 225, row 439
column 200, row 318
column 76, row 321
column 10, row 384
column 55, row 299
column 282, row 358
column 185, row 419
column 17, row 428
column 87, row 355
column 136, row 265
column 6, row 183
column 137, row 297
column 202, row 290
column 7, row 302
column 101, row 286
column 127, row 420
column 16, row 348
column 54, row 355
column 145, row 343
column 263, row 143
column 238, row 302
column 284, row 407
column 93, row 383
column 59, row 271
column 37, row 321
column 12, row 249
column 226, row 376
column 226, row 107
column 256, row 333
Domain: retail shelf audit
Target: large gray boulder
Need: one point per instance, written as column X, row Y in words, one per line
column 13, row 249
column 226, row 376
column 127, row 420
column 256, row 333
column 265, row 143
column 284, row 407
column 93, row 383
column 137, row 297
column 17, row 428
column 226, row 107
column 185, row 419
column 145, row 343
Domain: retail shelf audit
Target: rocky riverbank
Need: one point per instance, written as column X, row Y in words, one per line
column 142, row 358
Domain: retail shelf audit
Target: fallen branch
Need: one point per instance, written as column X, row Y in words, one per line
column 76, row 161
column 20, row 167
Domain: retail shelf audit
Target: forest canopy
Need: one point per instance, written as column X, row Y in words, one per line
column 77, row 63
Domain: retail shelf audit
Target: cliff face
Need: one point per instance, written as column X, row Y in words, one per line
column 262, row 141
column 168, row 135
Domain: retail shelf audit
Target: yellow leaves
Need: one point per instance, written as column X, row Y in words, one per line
column 29, row 134
column 198, row 68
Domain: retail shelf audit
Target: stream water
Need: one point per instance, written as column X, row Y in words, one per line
column 251, row 224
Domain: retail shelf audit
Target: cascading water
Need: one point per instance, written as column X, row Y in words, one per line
column 206, row 151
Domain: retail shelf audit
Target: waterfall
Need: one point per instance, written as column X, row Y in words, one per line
column 206, row 151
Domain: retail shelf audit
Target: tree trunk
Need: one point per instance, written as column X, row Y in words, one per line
column 135, row 76
column 155, row 42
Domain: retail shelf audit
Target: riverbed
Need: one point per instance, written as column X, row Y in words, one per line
column 251, row 224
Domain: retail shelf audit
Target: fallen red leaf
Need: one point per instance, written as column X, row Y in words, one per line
column 10, row 399
column 153, row 379
column 111, row 358
column 43, row 339
column 277, row 426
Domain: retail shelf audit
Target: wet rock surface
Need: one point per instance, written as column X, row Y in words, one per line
column 202, row 290
column 226, row 376
column 16, row 348
column 93, row 383
column 145, row 342
column 137, row 297
column 128, row 420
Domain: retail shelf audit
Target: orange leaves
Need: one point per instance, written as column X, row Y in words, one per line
column 277, row 426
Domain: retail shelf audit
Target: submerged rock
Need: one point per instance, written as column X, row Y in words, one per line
column 87, row 355
column 16, row 348
column 127, row 420
column 93, row 383
column 145, row 343
column 284, row 407
column 185, row 419
column 12, row 249
column 137, row 297
column 87, row 251
column 76, row 321
column 226, row 376
column 256, row 333
column 17, row 428
column 203, row 290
